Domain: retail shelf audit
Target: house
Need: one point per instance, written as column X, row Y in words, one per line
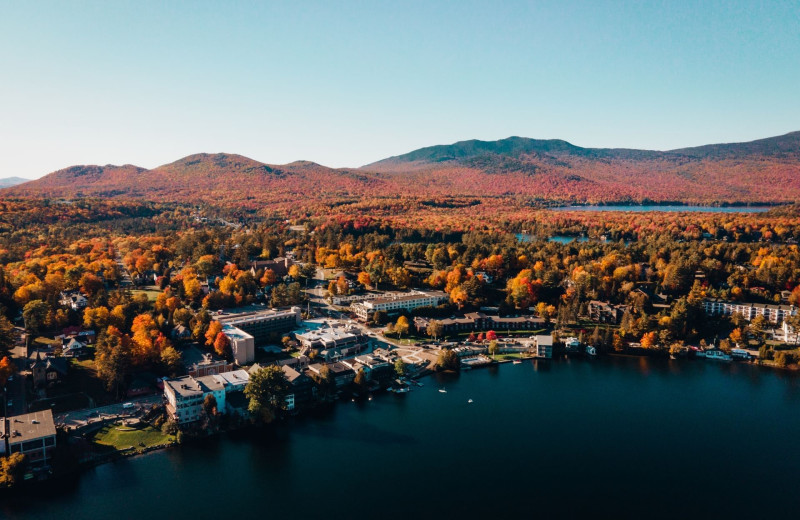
column 72, row 347
column 303, row 391
column 180, row 333
column 605, row 312
column 280, row 266
column 73, row 299
column 32, row 434
column 46, row 370
column 342, row 374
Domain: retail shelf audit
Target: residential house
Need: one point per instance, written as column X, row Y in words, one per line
column 46, row 370
column 73, row 299
column 303, row 390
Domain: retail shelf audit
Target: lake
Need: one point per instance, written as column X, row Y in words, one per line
column 616, row 437
column 668, row 208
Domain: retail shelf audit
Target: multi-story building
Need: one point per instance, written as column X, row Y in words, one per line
column 334, row 342
column 185, row 395
column 243, row 345
column 477, row 321
column 263, row 324
column 198, row 363
column 773, row 313
column 32, row 434
column 394, row 303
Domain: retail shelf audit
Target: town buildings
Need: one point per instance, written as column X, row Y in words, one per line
column 394, row 303
column 32, row 434
column 198, row 363
column 773, row 313
column 262, row 324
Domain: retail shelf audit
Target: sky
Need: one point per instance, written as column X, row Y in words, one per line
column 349, row 83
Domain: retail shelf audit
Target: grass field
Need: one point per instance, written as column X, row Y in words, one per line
column 152, row 294
column 122, row 437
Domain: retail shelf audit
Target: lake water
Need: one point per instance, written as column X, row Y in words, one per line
column 669, row 208
column 616, row 437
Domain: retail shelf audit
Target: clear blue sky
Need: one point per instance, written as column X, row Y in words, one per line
column 348, row 83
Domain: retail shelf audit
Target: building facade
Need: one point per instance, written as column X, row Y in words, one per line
column 263, row 324
column 394, row 303
column 773, row 313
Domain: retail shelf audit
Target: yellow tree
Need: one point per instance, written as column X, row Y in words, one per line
column 649, row 339
column 402, row 326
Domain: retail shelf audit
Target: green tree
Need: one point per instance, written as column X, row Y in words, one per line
column 113, row 359
column 435, row 329
column 35, row 315
column 7, row 335
column 171, row 360
column 267, row 390
column 493, row 348
column 400, row 367
column 448, row 360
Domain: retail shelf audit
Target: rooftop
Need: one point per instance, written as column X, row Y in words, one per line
column 29, row 426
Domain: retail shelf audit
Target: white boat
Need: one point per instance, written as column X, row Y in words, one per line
column 591, row 351
column 516, row 362
column 469, row 401
column 402, row 390
column 442, row 391
column 717, row 355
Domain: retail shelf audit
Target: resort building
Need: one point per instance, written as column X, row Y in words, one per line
column 477, row 321
column 773, row 313
column 32, row 434
column 394, row 303
column 264, row 323
column 334, row 342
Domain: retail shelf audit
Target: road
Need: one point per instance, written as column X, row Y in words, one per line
column 77, row 418
column 15, row 388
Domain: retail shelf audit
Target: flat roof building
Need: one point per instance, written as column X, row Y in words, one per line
column 32, row 434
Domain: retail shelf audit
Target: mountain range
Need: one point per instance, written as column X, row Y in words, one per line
column 552, row 171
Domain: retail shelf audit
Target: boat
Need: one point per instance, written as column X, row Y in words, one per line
column 442, row 391
column 591, row 351
column 402, row 390
column 470, row 401
column 516, row 362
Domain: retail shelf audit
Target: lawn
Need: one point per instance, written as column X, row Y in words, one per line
column 152, row 294
column 510, row 355
column 122, row 437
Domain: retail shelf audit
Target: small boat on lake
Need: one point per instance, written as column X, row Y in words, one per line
column 470, row 401
column 516, row 362
column 591, row 351
column 442, row 391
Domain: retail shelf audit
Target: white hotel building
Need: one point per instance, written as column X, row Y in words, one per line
column 394, row 303
column 773, row 313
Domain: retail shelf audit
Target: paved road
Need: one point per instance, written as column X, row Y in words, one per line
column 86, row 416
column 15, row 389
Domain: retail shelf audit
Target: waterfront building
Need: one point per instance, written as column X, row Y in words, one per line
column 333, row 342
column 303, row 390
column 773, row 313
column 32, row 434
column 544, row 345
column 185, row 395
column 478, row 321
